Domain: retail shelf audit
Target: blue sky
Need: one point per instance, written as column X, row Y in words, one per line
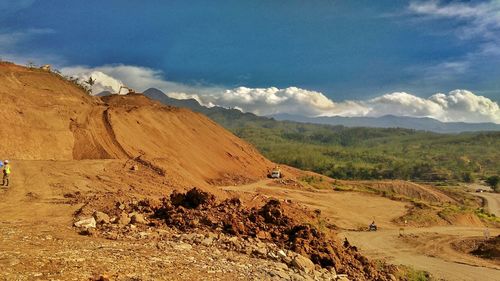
column 346, row 50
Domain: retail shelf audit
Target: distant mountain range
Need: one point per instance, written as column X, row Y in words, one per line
column 387, row 121
column 391, row 121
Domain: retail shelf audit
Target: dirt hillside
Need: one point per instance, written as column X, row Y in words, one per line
column 45, row 117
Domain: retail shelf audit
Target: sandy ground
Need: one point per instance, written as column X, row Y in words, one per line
column 423, row 248
column 429, row 251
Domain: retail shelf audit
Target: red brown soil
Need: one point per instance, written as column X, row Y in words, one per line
column 45, row 117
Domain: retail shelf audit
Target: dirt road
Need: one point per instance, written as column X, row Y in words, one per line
column 424, row 248
column 430, row 250
column 492, row 202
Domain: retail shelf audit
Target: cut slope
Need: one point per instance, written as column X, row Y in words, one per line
column 48, row 118
column 36, row 111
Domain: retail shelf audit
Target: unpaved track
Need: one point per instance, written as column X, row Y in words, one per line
column 434, row 253
column 430, row 251
column 492, row 202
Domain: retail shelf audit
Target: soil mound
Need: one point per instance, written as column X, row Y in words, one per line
column 46, row 117
column 489, row 249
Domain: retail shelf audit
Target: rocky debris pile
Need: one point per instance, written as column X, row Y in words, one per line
column 177, row 257
column 489, row 249
column 266, row 232
column 269, row 223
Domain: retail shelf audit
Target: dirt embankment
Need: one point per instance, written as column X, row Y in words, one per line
column 45, row 117
column 401, row 189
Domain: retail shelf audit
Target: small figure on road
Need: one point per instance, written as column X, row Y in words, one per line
column 6, row 173
column 486, row 233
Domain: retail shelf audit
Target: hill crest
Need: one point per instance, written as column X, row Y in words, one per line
column 49, row 118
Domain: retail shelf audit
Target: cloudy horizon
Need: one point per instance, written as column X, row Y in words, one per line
column 458, row 105
column 420, row 58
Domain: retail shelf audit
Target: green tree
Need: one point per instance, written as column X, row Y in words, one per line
column 493, row 182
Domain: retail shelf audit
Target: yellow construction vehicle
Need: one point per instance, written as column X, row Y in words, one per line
column 276, row 173
column 130, row 90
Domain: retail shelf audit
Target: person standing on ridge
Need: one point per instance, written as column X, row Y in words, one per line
column 6, row 173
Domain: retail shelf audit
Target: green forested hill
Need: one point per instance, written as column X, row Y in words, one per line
column 361, row 153
column 367, row 153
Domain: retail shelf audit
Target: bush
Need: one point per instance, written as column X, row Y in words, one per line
column 493, row 182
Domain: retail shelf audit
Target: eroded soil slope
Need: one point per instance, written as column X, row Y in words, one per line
column 45, row 117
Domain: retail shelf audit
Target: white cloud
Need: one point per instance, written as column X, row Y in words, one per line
column 458, row 105
column 482, row 20
column 136, row 77
column 266, row 101
column 103, row 82
column 472, row 21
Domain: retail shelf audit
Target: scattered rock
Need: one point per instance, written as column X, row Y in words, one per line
column 101, row 218
column 281, row 254
column 207, row 241
column 260, row 252
column 183, row 246
column 137, row 218
column 263, row 235
column 342, row 277
column 86, row 223
column 123, row 219
column 303, row 263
